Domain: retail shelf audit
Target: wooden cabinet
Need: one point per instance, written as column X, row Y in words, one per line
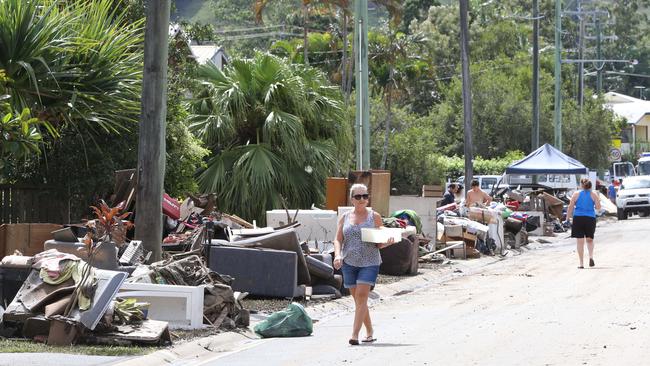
column 378, row 183
column 336, row 193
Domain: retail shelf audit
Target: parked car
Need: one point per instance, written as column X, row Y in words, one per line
column 486, row 182
column 633, row 197
column 643, row 168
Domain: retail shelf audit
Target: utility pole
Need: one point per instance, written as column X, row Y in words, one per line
column 558, row 74
column 599, row 69
column 362, row 118
column 467, row 92
column 581, row 66
column 535, row 138
column 151, row 143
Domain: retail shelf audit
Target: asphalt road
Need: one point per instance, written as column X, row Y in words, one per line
column 533, row 309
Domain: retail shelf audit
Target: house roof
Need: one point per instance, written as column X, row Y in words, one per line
column 547, row 160
column 203, row 53
column 630, row 108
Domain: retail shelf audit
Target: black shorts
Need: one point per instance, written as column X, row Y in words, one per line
column 583, row 226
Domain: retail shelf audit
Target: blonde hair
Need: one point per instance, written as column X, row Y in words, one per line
column 357, row 186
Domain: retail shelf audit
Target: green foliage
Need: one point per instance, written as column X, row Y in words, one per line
column 413, row 157
column 587, row 136
column 452, row 167
column 71, row 62
column 275, row 130
column 184, row 151
column 19, row 135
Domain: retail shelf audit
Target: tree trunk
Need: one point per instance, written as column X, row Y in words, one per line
column 344, row 61
column 305, row 42
column 151, row 144
column 389, row 117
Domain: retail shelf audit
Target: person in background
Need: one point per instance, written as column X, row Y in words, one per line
column 582, row 214
column 611, row 192
column 450, row 196
column 475, row 196
column 359, row 261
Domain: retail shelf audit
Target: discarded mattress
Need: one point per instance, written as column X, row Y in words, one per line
column 280, row 240
column 263, row 272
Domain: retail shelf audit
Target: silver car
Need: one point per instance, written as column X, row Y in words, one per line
column 633, row 197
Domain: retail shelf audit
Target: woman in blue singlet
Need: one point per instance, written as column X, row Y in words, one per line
column 582, row 210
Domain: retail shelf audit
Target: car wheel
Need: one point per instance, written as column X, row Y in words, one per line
column 643, row 213
column 621, row 214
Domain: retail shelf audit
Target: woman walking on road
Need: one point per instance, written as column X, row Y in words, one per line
column 582, row 210
column 359, row 261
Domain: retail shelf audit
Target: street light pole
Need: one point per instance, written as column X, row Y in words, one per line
column 362, row 118
column 535, row 129
column 467, row 94
column 558, row 75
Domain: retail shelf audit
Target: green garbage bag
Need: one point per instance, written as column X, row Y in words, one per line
column 290, row 322
column 506, row 213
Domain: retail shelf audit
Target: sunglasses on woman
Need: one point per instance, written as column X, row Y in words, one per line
column 358, row 197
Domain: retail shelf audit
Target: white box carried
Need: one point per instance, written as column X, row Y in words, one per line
column 382, row 235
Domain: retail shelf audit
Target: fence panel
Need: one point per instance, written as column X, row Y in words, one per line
column 24, row 204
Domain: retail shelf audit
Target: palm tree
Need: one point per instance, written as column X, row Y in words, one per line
column 276, row 131
column 72, row 62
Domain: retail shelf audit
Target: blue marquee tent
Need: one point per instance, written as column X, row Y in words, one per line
column 547, row 160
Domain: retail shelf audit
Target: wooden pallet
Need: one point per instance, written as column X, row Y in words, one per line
column 432, row 191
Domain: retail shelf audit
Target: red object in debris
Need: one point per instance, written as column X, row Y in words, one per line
column 171, row 207
column 513, row 205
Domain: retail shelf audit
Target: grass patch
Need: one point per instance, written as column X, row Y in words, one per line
column 28, row 346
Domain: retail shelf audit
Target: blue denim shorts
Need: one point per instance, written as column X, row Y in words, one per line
column 353, row 275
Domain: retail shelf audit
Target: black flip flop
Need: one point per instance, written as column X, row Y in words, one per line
column 581, row 267
column 353, row 342
column 369, row 339
column 591, row 262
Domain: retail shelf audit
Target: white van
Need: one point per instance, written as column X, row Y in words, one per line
column 486, row 182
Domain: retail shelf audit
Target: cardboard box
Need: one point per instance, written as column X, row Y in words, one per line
column 26, row 238
column 381, row 235
column 482, row 215
column 454, row 230
column 469, row 236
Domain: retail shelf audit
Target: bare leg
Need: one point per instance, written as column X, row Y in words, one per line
column 360, row 309
column 366, row 321
column 590, row 247
column 581, row 249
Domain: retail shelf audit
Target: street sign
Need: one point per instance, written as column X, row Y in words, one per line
column 614, row 154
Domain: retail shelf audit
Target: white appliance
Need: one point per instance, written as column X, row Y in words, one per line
column 315, row 225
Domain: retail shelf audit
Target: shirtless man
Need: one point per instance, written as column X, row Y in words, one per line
column 476, row 197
